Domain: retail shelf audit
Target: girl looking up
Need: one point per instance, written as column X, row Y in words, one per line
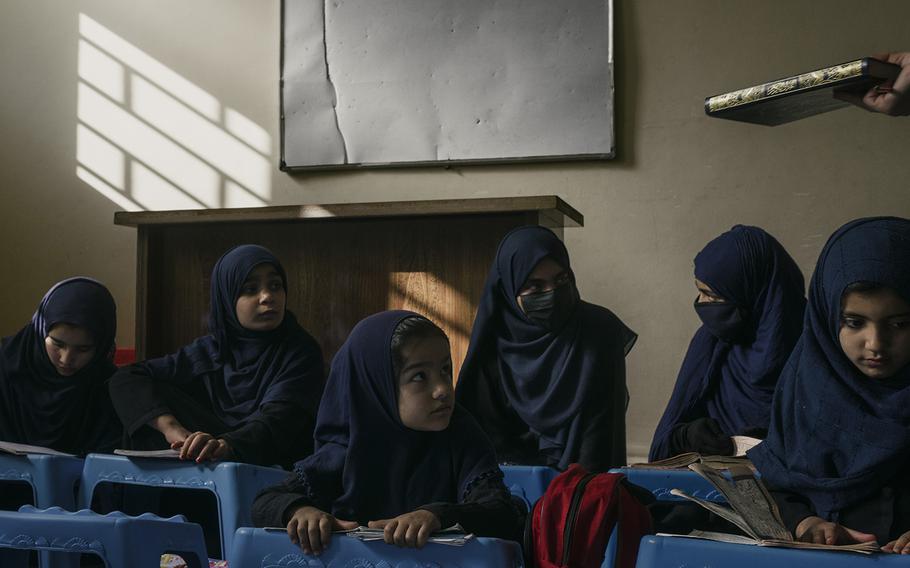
column 393, row 450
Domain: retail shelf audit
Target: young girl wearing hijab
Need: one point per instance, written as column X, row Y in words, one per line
column 750, row 301
column 247, row 392
column 837, row 455
column 393, row 450
column 53, row 372
column 545, row 372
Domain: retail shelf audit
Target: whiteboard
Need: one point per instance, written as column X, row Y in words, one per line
column 408, row 82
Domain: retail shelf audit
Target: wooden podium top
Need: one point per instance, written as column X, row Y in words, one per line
column 555, row 210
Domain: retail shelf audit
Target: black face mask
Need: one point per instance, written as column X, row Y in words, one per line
column 551, row 310
column 724, row 320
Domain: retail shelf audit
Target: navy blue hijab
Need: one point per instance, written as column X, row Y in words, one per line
column 546, row 375
column 367, row 464
column 40, row 407
column 837, row 436
column 734, row 382
column 244, row 369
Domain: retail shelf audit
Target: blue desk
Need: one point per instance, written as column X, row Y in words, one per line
column 661, row 481
column 234, row 485
column 662, row 551
column 528, row 482
column 260, row 548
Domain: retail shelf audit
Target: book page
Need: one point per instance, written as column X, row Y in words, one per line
column 25, row 449
column 861, row 547
column 674, row 462
column 748, row 497
column 743, row 443
column 719, row 510
column 160, row 454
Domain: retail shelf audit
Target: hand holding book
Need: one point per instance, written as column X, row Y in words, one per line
column 891, row 97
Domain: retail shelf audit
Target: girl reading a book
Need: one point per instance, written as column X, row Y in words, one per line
column 246, row 392
column 393, row 450
column 837, row 456
column 545, row 372
column 53, row 372
column 750, row 301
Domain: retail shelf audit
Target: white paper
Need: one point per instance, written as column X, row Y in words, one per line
column 160, row 454
column 25, row 449
column 405, row 81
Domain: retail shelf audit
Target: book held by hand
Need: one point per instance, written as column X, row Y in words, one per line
column 800, row 96
column 755, row 512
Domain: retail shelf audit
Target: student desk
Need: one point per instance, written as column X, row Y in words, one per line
column 344, row 262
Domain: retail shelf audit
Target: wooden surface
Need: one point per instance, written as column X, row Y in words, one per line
column 558, row 212
column 339, row 271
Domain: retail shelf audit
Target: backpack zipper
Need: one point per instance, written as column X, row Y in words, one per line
column 571, row 517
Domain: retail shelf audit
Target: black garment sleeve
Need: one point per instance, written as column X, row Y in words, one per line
column 274, row 506
column 488, row 510
column 135, row 397
column 703, row 435
column 603, row 443
column 793, row 507
column 280, row 434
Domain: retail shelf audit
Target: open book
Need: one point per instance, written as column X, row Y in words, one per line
column 24, row 449
column 753, row 510
column 740, row 444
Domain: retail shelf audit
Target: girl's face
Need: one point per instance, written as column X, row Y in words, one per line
column 260, row 306
column 69, row 348
column 706, row 295
column 546, row 276
column 875, row 332
column 425, row 390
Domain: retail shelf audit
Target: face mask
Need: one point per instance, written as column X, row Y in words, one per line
column 724, row 320
column 550, row 310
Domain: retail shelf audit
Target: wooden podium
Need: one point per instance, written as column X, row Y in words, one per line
column 343, row 262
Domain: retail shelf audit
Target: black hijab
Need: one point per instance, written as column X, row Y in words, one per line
column 546, row 375
column 43, row 408
column 836, row 435
column 367, row 464
column 243, row 369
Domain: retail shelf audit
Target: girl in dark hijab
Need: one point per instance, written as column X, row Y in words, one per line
column 393, row 450
column 838, row 449
column 545, row 372
column 247, row 392
column 53, row 373
column 750, row 301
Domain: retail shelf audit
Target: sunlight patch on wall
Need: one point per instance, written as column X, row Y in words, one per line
column 149, row 139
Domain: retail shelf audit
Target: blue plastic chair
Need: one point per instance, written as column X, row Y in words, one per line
column 661, row 551
column 262, row 548
column 660, row 481
column 53, row 478
column 529, row 482
column 120, row 540
column 53, row 481
column 234, row 485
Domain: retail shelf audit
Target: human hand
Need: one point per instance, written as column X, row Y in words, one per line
column 201, row 446
column 899, row 546
column 312, row 528
column 819, row 531
column 411, row 530
column 890, row 97
column 170, row 427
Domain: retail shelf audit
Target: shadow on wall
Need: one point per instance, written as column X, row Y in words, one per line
column 149, row 139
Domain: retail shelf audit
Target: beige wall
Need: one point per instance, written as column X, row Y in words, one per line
column 679, row 178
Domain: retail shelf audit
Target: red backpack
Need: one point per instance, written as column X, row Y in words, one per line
column 571, row 524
